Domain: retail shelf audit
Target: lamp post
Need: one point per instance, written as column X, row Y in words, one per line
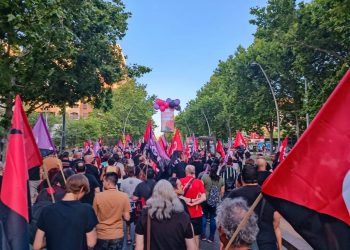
column 127, row 117
column 274, row 98
column 209, row 130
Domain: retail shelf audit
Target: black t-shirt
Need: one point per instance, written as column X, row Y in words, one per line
column 179, row 170
column 265, row 222
column 93, row 183
column 166, row 234
column 262, row 176
column 34, row 174
column 66, row 223
column 145, row 189
column 199, row 166
column 91, row 169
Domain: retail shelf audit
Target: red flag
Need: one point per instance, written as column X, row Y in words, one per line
column 316, row 173
column 282, row 148
column 22, row 154
column 128, row 138
column 148, row 130
column 120, row 144
column 240, row 140
column 220, row 149
column 162, row 144
column 176, row 144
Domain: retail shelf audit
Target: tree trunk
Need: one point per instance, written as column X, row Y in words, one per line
column 297, row 128
column 7, row 125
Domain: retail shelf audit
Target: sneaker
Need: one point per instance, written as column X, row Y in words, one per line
column 203, row 237
column 210, row 239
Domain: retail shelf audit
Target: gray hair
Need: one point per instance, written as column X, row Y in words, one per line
column 164, row 201
column 229, row 214
column 190, row 169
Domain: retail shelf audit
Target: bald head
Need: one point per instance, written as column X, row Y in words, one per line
column 88, row 159
column 190, row 170
column 262, row 164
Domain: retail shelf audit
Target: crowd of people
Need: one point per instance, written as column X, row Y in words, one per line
column 87, row 201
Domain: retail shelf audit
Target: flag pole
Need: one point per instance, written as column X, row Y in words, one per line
column 48, row 182
column 244, row 221
column 61, row 169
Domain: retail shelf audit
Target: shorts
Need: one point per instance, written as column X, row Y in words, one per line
column 197, row 225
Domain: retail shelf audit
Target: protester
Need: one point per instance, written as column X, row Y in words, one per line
column 230, row 214
column 250, row 190
column 128, row 186
column 179, row 169
column 66, row 162
column 179, row 190
column 198, row 164
column 111, row 207
column 90, row 165
column 194, row 190
column 169, row 226
column 229, row 175
column 144, row 189
column 93, row 183
column 111, row 168
column 261, row 164
column 214, row 190
column 51, row 162
column 68, row 224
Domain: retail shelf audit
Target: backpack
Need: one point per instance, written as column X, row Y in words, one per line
column 214, row 196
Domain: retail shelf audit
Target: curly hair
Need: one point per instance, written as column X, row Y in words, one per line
column 229, row 214
column 164, row 201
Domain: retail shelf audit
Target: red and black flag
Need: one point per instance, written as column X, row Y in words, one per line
column 146, row 135
column 22, row 154
column 220, row 149
column 311, row 186
column 176, row 147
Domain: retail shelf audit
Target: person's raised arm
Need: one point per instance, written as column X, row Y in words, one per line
column 91, row 238
column 39, row 241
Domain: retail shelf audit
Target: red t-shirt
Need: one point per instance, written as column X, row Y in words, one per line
column 195, row 190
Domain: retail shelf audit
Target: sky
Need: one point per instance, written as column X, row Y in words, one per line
column 182, row 41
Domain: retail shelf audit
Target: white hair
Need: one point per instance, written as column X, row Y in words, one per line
column 164, row 201
column 229, row 214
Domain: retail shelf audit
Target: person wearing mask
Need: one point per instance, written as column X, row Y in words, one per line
column 195, row 192
column 111, row 207
column 93, row 183
column 266, row 239
column 214, row 190
column 68, row 224
column 230, row 214
column 128, row 186
column 164, row 224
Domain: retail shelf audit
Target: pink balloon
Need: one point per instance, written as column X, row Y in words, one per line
column 162, row 108
column 166, row 105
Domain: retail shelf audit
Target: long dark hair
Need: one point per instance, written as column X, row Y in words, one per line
column 213, row 172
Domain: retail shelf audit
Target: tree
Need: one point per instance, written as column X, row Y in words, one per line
column 60, row 52
column 131, row 107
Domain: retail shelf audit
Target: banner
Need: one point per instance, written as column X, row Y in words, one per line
column 167, row 121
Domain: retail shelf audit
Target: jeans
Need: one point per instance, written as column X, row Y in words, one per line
column 208, row 213
column 116, row 244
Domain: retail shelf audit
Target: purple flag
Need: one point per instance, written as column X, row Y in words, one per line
column 42, row 135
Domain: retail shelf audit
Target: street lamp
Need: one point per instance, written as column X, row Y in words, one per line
column 274, row 98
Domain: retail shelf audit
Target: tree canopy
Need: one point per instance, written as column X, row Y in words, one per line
column 297, row 45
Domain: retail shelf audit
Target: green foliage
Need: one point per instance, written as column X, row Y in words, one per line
column 295, row 45
column 60, row 52
column 130, row 107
